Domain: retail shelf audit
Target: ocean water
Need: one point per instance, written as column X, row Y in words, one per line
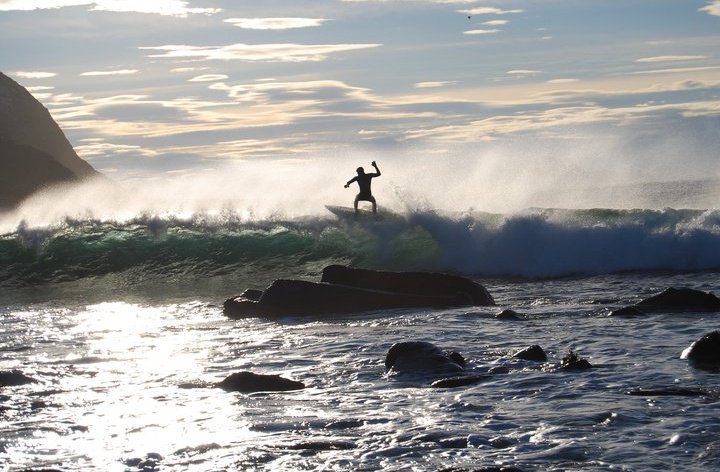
column 121, row 324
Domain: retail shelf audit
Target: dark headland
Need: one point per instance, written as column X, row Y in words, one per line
column 34, row 152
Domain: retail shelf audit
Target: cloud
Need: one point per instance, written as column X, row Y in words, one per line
column 521, row 72
column 562, row 81
column 482, row 31
column 100, row 73
column 670, row 58
column 257, row 52
column 34, row 75
column 495, row 22
column 208, row 78
column 713, row 8
column 421, row 85
column 160, row 7
column 97, row 147
column 488, row 11
column 675, row 70
column 275, row 23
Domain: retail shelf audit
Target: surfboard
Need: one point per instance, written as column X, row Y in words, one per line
column 362, row 214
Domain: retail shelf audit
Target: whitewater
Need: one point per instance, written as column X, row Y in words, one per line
column 116, row 314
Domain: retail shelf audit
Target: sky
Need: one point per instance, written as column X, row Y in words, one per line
column 176, row 87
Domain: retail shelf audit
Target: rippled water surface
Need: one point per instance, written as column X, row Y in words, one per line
column 119, row 375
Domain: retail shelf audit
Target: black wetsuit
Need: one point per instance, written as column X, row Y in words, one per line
column 363, row 181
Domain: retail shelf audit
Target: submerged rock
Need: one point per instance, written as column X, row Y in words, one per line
column 463, row 381
column 248, row 382
column 705, row 351
column 508, row 314
column 422, row 357
column 14, row 378
column 532, row 353
column 680, row 300
column 671, row 391
column 627, row 312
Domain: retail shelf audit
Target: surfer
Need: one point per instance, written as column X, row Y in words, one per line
column 363, row 180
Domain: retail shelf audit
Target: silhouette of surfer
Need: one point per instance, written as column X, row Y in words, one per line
column 363, row 180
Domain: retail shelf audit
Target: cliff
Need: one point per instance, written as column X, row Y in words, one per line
column 34, row 152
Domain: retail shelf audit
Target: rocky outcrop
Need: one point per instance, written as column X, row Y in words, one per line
column 672, row 300
column 571, row 361
column 680, row 300
column 300, row 297
column 34, row 152
column 705, row 352
column 422, row 358
column 531, row 353
column 430, row 284
column 248, row 382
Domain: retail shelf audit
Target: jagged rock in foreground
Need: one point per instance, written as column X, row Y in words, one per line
column 34, row 152
column 376, row 291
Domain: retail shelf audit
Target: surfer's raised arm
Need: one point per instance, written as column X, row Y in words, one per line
column 377, row 174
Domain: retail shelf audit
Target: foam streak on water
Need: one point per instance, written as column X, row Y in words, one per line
column 111, row 372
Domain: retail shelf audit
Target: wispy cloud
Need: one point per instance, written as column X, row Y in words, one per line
column 160, row 7
column 495, row 22
column 670, row 58
column 100, row 73
column 676, row 70
column 276, row 23
column 34, row 75
column 488, row 11
column 482, row 31
column 713, row 8
column 422, row 85
column 522, row 72
column 257, row 52
column 563, row 81
column 208, row 78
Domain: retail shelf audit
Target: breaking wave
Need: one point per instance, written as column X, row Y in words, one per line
column 536, row 243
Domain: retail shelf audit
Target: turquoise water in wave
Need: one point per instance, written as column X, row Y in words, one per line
column 116, row 320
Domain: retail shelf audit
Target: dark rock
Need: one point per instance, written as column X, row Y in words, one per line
column 453, row 382
column 508, row 314
column 571, row 361
column 627, row 311
column 252, row 294
column 34, row 152
column 680, row 300
column 420, row 357
column 248, row 382
column 346, row 424
column 532, row 353
column 14, row 378
column 670, row 391
column 323, row 446
column 428, row 284
column 705, row 351
column 299, row 297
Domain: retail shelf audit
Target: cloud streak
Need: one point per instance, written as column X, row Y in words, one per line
column 256, row 52
column 160, row 7
column 101, row 73
column 275, row 23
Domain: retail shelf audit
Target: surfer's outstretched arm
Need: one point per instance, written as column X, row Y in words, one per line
column 350, row 181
